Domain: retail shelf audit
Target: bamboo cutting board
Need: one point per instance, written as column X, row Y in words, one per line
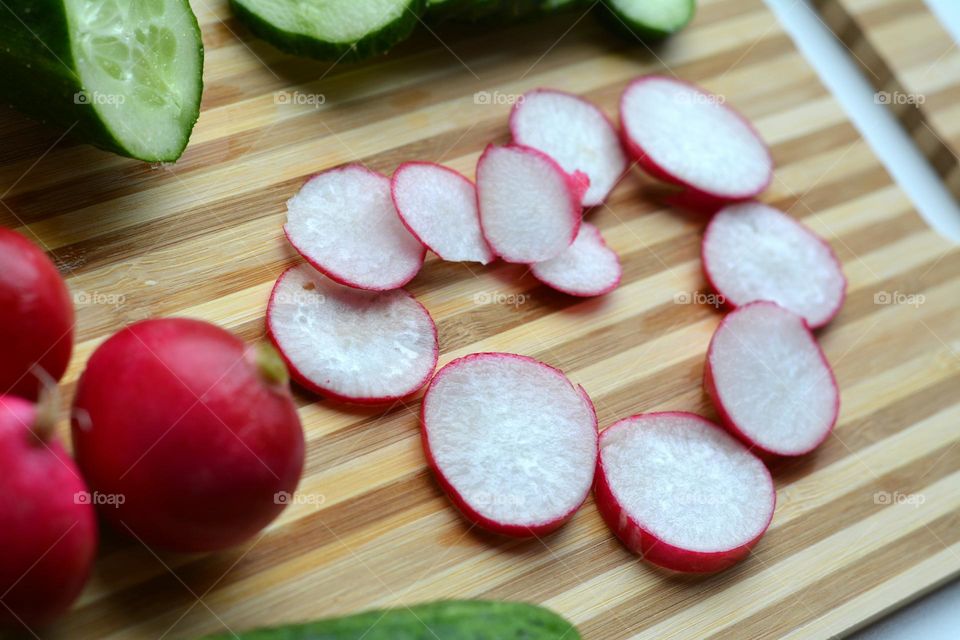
column 906, row 53
column 866, row 523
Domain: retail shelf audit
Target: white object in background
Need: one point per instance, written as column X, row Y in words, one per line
column 841, row 74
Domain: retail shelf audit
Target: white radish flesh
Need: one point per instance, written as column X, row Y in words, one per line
column 344, row 223
column 588, row 267
column 770, row 381
column 356, row 346
column 573, row 132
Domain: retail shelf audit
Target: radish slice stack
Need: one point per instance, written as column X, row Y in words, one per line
column 529, row 206
column 676, row 489
column 573, row 132
column 588, row 267
column 754, row 252
column 344, row 223
column 511, row 440
column 770, row 381
column 439, row 206
column 352, row 345
column 684, row 135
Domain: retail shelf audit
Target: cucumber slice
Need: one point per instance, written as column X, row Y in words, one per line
column 462, row 620
column 125, row 76
column 331, row 29
column 650, row 19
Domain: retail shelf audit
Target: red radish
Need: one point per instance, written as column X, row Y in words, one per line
column 770, row 381
column 355, row 346
column 36, row 317
column 679, row 133
column 676, row 489
column 194, row 429
column 439, row 207
column 754, row 252
column 48, row 529
column 575, row 133
column 344, row 223
column 587, row 268
column 529, row 206
column 512, row 442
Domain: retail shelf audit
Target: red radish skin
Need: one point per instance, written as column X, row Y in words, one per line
column 699, row 142
column 751, row 251
column 36, row 317
column 301, row 290
column 552, row 379
column 708, row 447
column 823, row 388
column 48, row 529
column 587, row 268
column 197, row 431
column 439, row 207
column 528, row 227
column 575, row 133
column 343, row 222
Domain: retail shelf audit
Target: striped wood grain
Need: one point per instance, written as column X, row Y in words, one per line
column 202, row 238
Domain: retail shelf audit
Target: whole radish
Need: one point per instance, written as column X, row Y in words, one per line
column 36, row 317
column 48, row 530
column 194, row 433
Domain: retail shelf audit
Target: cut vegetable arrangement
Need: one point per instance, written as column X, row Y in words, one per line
column 344, row 223
column 684, row 135
column 573, row 132
column 678, row 490
column 529, row 206
column 512, row 441
column 124, row 76
column 439, row 206
column 770, row 381
column 352, row 345
column 754, row 252
column 588, row 267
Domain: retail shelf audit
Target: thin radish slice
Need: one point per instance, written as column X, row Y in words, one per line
column 355, row 346
column 754, row 252
column 439, row 207
column 573, row 132
column 684, row 135
column 770, row 381
column 587, row 268
column 344, row 223
column 529, row 206
column 678, row 490
column 512, row 442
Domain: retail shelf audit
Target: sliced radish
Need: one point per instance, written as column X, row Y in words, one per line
column 529, row 206
column 754, row 252
column 344, row 223
column 682, row 134
column 770, row 381
column 511, row 440
column 678, row 490
column 352, row 345
column 573, row 132
column 439, row 207
column 588, row 267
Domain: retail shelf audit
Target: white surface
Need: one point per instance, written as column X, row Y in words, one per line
column 587, row 268
column 937, row 615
